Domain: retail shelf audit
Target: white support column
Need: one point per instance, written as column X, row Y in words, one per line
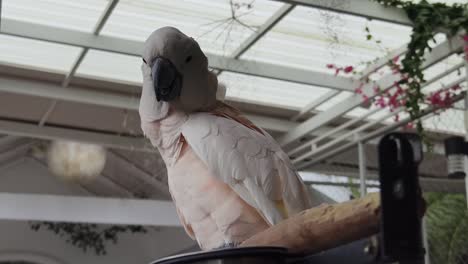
column 362, row 167
column 427, row 259
column 77, row 209
column 466, row 126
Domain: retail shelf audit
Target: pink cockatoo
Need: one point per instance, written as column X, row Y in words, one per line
column 228, row 178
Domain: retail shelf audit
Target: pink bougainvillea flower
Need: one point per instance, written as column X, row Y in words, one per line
column 348, row 69
column 376, row 89
column 465, row 38
column 330, row 66
column 380, row 102
column 455, row 87
column 409, row 125
column 366, row 98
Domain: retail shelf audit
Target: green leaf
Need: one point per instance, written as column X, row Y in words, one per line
column 447, row 226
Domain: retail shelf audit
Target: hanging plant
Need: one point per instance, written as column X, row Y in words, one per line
column 88, row 236
column 447, row 228
column 428, row 19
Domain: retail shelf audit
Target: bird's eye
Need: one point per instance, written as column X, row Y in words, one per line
column 188, row 59
column 144, row 60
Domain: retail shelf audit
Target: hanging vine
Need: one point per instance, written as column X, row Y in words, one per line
column 428, row 19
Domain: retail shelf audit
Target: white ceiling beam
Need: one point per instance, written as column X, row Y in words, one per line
column 349, row 133
column 375, row 66
column 314, row 104
column 15, row 153
column 70, row 37
column 425, row 113
column 100, row 24
column 73, row 94
column 11, row 156
column 101, row 98
column 77, row 209
column 381, row 62
column 112, row 44
column 437, row 54
column 96, row 186
column 97, row 29
column 345, row 137
column 427, row 184
column 53, row 133
column 259, row 33
column 330, row 133
column 104, row 186
column 86, row 96
column 147, row 179
column 364, row 8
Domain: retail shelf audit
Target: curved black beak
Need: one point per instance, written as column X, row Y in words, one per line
column 166, row 79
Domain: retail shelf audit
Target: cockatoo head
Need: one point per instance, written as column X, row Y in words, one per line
column 179, row 71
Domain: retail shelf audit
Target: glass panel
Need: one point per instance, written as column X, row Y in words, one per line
column 79, row 15
column 450, row 121
column 440, row 68
column 209, row 22
column 111, row 66
column 273, row 92
column 311, row 38
column 34, row 53
column 334, row 101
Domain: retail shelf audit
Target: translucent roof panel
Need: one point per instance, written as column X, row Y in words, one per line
column 441, row 68
column 311, row 38
column 450, row 121
column 37, row 54
column 78, row 15
column 209, row 22
column 334, row 101
column 268, row 91
column 111, row 66
column 446, row 82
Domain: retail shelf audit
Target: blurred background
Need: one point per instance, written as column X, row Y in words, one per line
column 80, row 184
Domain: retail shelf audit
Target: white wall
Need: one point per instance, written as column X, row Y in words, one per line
column 16, row 237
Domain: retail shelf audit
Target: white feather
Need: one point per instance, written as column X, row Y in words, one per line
column 251, row 163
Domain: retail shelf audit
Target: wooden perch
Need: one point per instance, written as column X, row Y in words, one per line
column 323, row 227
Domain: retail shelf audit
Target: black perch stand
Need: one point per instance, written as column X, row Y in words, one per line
column 400, row 239
column 400, row 193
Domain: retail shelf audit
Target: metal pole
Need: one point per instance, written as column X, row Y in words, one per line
column 362, row 167
column 427, row 259
column 466, row 119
